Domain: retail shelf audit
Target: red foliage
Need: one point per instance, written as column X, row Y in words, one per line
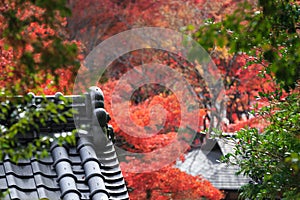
column 242, row 87
column 94, row 21
column 170, row 183
column 44, row 82
column 50, row 87
column 36, row 35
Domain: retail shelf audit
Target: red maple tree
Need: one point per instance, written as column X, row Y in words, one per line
column 34, row 39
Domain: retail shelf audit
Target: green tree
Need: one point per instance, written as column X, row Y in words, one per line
column 269, row 34
column 271, row 158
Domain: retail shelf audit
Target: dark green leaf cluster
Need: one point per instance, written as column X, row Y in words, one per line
column 272, row 158
column 20, row 118
column 268, row 33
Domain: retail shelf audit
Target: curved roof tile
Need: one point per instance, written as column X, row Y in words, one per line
column 69, row 172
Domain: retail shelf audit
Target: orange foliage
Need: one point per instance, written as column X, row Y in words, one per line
column 242, row 87
column 170, row 183
column 159, row 150
column 34, row 38
column 94, row 21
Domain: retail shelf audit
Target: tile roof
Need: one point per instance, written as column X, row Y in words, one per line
column 84, row 171
column 207, row 165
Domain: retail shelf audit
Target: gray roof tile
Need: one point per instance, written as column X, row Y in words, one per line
column 116, row 184
column 77, row 169
column 44, row 169
column 99, row 196
column 111, row 171
column 48, row 194
column 69, row 172
column 80, row 177
column 226, row 178
column 91, row 168
column 61, row 177
column 18, row 170
column 16, row 194
column 68, row 187
column 3, row 184
column 96, row 184
column 85, row 195
column 71, row 195
column 120, row 196
column 82, row 187
column 75, row 159
column 1, row 170
column 49, row 183
column 206, row 164
column 46, row 160
column 59, row 154
column 113, row 178
column 20, row 183
column 87, row 154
